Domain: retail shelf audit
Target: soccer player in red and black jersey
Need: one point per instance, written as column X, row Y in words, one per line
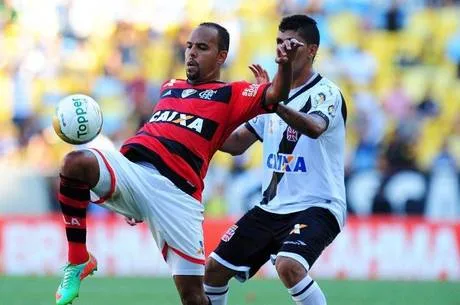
column 157, row 177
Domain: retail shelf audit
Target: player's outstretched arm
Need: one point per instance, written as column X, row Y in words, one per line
column 281, row 85
column 311, row 125
column 238, row 142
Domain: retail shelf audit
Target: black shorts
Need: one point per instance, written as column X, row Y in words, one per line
column 249, row 243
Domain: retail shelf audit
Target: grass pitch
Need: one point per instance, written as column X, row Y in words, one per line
column 150, row 291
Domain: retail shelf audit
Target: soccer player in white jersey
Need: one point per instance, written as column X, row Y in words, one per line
column 303, row 205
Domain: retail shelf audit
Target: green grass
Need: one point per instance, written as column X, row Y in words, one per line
column 150, row 291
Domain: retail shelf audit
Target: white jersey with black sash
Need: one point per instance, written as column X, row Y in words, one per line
column 299, row 171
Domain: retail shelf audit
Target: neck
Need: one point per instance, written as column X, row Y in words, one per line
column 302, row 78
column 212, row 77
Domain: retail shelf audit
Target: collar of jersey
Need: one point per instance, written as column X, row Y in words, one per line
column 210, row 82
column 310, row 83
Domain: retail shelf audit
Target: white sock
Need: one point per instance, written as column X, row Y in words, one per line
column 307, row 292
column 217, row 295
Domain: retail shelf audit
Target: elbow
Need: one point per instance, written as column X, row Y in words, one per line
column 274, row 98
column 316, row 130
column 235, row 152
column 232, row 151
column 282, row 96
column 314, row 133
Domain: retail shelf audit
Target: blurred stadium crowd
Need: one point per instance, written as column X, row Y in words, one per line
column 397, row 62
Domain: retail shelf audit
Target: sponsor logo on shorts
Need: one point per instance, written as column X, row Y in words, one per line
column 297, row 228
column 200, row 249
column 229, row 234
column 294, row 242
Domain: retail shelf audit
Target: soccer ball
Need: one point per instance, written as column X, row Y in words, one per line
column 78, row 119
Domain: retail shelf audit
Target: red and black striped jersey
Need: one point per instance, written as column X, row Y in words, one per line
column 189, row 124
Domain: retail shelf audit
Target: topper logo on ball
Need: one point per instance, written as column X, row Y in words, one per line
column 81, row 118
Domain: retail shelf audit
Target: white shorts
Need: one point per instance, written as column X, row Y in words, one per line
column 141, row 192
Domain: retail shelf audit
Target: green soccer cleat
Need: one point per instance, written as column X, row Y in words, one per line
column 73, row 275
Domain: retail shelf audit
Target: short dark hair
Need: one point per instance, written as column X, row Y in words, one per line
column 303, row 25
column 222, row 33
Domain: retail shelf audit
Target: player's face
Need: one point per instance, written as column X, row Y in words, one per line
column 202, row 56
column 304, row 55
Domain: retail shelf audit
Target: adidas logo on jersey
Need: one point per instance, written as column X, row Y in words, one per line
column 284, row 163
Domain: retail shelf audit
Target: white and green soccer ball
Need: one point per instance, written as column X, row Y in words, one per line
column 78, row 119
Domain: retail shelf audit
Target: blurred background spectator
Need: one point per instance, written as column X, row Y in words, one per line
column 397, row 62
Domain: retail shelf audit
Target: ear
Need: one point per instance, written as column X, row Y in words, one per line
column 221, row 57
column 312, row 50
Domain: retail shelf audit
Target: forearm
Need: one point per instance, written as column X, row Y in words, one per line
column 281, row 85
column 232, row 146
column 309, row 125
column 238, row 142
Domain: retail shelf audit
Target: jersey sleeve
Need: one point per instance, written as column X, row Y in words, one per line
column 325, row 104
column 247, row 101
column 256, row 126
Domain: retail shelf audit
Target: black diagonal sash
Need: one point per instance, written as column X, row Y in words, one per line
column 285, row 147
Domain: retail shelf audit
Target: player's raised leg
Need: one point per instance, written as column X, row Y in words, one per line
column 79, row 173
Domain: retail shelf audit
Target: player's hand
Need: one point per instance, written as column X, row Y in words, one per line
column 285, row 52
column 131, row 221
column 260, row 74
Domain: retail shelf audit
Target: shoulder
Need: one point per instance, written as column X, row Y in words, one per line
column 325, row 92
column 327, row 97
column 173, row 83
column 326, row 87
column 239, row 84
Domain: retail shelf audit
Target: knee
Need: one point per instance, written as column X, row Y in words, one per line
column 289, row 270
column 216, row 274
column 81, row 165
column 212, row 266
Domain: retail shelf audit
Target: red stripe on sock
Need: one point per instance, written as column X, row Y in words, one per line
column 72, row 202
column 75, row 183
